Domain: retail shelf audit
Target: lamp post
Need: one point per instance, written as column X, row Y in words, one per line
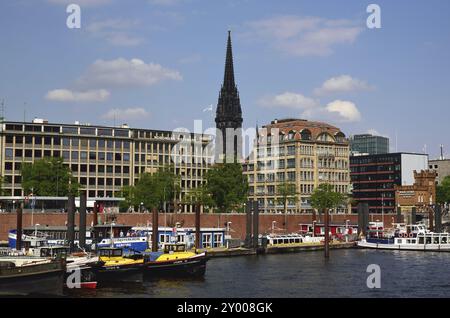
column 228, row 233
column 273, row 226
column 35, row 229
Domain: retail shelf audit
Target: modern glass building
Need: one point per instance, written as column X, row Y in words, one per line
column 369, row 144
column 374, row 178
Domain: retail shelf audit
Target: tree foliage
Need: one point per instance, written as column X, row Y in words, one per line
column 443, row 191
column 324, row 197
column 286, row 191
column 227, row 186
column 48, row 177
column 152, row 190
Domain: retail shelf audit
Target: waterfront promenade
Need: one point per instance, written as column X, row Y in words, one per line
column 216, row 220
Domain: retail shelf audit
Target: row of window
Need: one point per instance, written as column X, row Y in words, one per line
column 74, row 155
column 38, row 141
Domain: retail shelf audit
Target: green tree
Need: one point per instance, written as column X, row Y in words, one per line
column 324, row 198
column 227, row 185
column 286, row 191
column 48, row 177
column 152, row 190
column 443, row 191
column 200, row 195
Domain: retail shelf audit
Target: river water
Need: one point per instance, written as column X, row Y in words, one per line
column 307, row 274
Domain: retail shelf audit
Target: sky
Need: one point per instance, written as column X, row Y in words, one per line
column 159, row 64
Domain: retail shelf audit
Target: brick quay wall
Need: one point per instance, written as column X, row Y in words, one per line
column 238, row 221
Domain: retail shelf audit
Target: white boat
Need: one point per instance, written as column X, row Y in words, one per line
column 407, row 237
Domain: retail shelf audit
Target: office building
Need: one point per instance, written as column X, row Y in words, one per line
column 103, row 159
column 374, row 178
column 369, row 144
column 300, row 152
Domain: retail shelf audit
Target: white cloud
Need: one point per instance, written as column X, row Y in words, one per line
column 66, row 95
column 341, row 84
column 126, row 114
column 289, row 100
column 340, row 111
column 81, row 3
column 376, row 133
column 303, row 36
column 126, row 73
column 116, row 31
column 347, row 111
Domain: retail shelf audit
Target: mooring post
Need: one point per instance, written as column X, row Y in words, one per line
column 197, row 226
column 255, row 207
column 248, row 225
column 431, row 218
column 399, row 214
column 438, row 219
column 19, row 231
column 155, row 234
column 71, row 221
column 95, row 220
column 82, row 223
column 327, row 238
column 413, row 215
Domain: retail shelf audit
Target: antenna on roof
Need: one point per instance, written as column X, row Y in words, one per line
column 442, row 152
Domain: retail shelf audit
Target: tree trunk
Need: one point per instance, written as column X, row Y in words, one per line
column 285, row 216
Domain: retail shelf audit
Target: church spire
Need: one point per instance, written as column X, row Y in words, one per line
column 229, row 113
column 228, row 80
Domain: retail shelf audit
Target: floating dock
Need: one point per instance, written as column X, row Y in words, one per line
column 305, row 247
column 229, row 252
column 287, row 248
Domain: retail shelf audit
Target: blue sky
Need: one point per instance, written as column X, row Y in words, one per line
column 159, row 63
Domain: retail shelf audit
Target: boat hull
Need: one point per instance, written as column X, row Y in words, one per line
column 46, row 279
column 192, row 267
column 120, row 273
column 406, row 247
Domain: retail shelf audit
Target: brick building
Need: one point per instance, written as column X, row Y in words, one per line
column 421, row 194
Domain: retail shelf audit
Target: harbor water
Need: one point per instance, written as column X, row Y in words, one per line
column 307, row 274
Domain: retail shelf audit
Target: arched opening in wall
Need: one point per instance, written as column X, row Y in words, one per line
column 340, row 137
column 305, row 134
column 325, row 137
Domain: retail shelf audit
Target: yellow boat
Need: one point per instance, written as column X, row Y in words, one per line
column 174, row 260
column 117, row 267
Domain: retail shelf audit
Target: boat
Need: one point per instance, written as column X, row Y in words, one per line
column 175, row 260
column 25, row 277
column 117, row 267
column 83, row 261
column 414, row 237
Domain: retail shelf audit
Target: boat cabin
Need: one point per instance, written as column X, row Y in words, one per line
column 174, row 248
column 110, row 252
column 53, row 251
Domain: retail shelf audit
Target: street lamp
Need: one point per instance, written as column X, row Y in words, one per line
column 35, row 229
column 273, row 226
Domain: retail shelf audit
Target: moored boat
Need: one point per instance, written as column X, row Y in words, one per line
column 407, row 237
column 174, row 260
column 38, row 277
column 118, row 268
